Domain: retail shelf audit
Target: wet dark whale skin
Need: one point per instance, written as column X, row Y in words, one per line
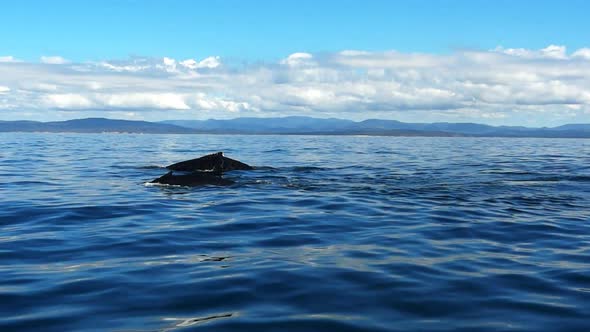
column 193, row 179
column 211, row 162
column 206, row 170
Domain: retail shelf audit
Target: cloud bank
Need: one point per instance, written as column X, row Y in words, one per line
column 53, row 60
column 503, row 85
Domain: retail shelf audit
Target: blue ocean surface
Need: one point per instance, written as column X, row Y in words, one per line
column 328, row 234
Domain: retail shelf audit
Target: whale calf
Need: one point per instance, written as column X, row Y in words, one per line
column 206, row 170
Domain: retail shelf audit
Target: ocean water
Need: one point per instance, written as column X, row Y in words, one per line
column 328, row 234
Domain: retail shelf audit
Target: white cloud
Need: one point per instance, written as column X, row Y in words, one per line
column 210, row 62
column 554, row 51
column 163, row 65
column 125, row 67
column 4, row 89
column 169, row 64
column 144, row 100
column 67, row 101
column 497, row 85
column 189, row 63
column 582, row 53
column 354, row 53
column 204, row 102
column 91, row 101
column 389, row 59
column 8, row 58
column 93, row 85
column 53, row 60
column 520, row 52
column 38, row 87
column 549, row 52
column 297, row 59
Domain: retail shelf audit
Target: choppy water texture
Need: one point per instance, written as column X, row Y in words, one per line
column 342, row 234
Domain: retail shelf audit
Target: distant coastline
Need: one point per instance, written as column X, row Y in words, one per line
column 295, row 125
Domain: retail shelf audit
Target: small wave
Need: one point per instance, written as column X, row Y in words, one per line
column 506, row 172
column 546, row 179
column 177, row 186
column 307, row 169
column 264, row 168
column 164, row 185
column 123, row 166
column 527, row 182
column 579, row 178
column 257, row 182
column 151, row 167
column 23, row 183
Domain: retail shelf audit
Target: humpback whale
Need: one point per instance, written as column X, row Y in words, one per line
column 193, row 179
column 211, row 162
column 206, row 170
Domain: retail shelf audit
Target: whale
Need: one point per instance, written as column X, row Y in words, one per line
column 216, row 162
column 202, row 171
column 193, row 179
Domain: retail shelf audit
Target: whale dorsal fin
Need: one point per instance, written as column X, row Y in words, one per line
column 215, row 162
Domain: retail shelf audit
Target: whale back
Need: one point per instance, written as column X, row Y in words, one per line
column 193, row 179
column 214, row 162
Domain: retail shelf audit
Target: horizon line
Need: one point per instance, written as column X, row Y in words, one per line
column 299, row 116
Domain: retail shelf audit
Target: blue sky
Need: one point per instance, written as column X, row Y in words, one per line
column 262, row 30
column 497, row 62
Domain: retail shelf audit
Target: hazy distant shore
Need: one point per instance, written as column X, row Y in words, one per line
column 294, row 126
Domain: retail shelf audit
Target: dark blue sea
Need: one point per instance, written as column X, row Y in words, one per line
column 328, row 234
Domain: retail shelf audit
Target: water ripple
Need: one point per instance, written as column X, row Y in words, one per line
column 327, row 234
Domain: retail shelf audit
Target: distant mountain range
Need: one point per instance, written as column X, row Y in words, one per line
column 294, row 125
column 94, row 125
